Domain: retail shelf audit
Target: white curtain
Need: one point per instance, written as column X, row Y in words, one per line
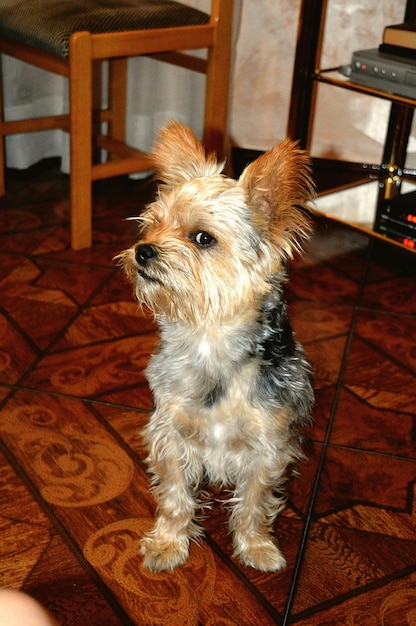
column 348, row 125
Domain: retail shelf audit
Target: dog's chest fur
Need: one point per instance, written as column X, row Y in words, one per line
column 234, row 384
column 213, row 372
column 198, row 363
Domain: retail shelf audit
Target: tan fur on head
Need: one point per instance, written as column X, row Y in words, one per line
column 256, row 223
column 178, row 156
column 278, row 184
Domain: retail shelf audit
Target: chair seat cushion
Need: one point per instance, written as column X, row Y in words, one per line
column 48, row 24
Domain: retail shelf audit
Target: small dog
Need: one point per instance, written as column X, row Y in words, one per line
column 231, row 385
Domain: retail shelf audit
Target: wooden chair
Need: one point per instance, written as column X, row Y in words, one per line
column 71, row 36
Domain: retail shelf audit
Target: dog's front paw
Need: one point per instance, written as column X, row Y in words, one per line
column 164, row 553
column 263, row 555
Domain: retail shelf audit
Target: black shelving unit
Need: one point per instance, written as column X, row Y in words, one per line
column 307, row 76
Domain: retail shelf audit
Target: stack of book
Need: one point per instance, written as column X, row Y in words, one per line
column 400, row 39
column 397, row 219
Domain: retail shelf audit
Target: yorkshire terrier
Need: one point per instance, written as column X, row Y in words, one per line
column 231, row 385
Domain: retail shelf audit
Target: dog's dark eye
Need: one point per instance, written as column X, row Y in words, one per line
column 203, row 239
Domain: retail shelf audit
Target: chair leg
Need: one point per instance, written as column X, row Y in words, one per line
column 80, row 86
column 2, row 138
column 217, row 83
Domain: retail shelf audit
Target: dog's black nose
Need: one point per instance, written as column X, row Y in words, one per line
column 145, row 252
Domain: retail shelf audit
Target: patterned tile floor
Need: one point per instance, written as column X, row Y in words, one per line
column 74, row 496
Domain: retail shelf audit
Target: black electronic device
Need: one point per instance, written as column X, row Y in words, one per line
column 388, row 72
column 397, row 219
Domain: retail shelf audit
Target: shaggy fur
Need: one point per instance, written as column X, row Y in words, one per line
column 231, row 386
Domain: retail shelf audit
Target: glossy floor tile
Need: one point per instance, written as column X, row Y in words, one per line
column 74, row 492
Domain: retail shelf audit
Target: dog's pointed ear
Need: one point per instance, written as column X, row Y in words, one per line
column 278, row 185
column 178, row 156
